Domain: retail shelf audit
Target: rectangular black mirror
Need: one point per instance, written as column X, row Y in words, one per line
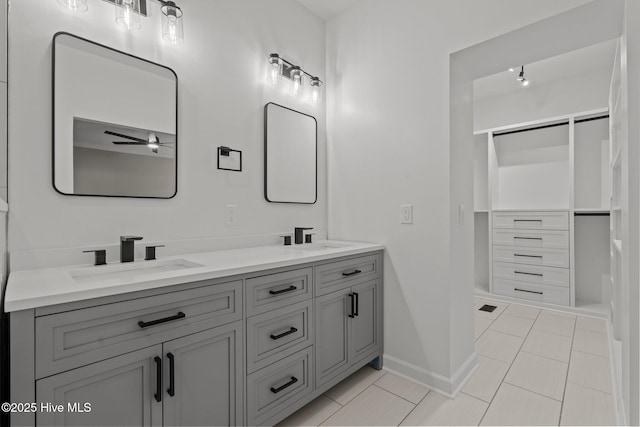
column 290, row 146
column 114, row 122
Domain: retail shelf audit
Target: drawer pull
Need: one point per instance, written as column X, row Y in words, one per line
column 282, row 291
column 528, row 238
column 524, row 290
column 284, row 334
column 527, row 220
column 353, row 273
column 178, row 316
column 529, row 256
column 282, row 387
column 172, row 368
column 528, row 274
column 158, row 394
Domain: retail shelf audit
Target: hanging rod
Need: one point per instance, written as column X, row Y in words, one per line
column 533, row 128
column 591, row 213
column 606, row 116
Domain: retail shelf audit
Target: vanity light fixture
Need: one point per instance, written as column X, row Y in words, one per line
column 128, row 14
column 171, row 22
column 75, row 5
column 279, row 67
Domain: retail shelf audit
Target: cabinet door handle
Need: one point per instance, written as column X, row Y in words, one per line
column 357, row 297
column 353, row 306
column 171, row 390
column 284, row 334
column 528, row 274
column 352, row 273
column 527, row 238
column 524, row 290
column 158, row 394
column 282, row 387
column 529, row 256
column 180, row 315
column 282, row 291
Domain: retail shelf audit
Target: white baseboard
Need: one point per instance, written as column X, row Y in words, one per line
column 446, row 386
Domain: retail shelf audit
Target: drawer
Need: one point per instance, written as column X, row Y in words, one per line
column 545, row 257
column 531, row 239
column 532, row 291
column 273, row 291
column 531, row 220
column 338, row 275
column 277, row 334
column 551, row 276
column 274, row 388
column 67, row 340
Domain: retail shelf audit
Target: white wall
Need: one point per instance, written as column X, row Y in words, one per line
column 388, row 111
column 589, row 91
column 221, row 68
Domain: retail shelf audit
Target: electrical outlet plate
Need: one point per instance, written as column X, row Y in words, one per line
column 230, row 215
column 406, row 214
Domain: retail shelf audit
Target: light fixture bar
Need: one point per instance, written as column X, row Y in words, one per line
column 286, row 70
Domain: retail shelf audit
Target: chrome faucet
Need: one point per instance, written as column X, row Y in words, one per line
column 299, row 234
column 126, row 247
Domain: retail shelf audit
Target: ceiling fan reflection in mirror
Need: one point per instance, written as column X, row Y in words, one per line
column 153, row 142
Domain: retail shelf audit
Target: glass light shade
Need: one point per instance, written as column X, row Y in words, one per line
column 316, row 90
column 274, row 72
column 75, row 5
column 172, row 30
column 525, row 82
column 128, row 14
column 296, row 80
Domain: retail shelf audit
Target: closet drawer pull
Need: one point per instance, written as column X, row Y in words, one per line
column 528, row 238
column 528, row 274
column 354, row 272
column 524, row 290
column 178, row 316
column 284, row 334
column 282, row 291
column 282, row 387
column 529, row 256
column 527, row 220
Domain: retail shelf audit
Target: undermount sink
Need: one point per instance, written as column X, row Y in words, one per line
column 130, row 270
column 319, row 246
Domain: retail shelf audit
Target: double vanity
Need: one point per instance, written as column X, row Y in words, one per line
column 235, row 337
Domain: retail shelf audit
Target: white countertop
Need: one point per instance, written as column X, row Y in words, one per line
column 38, row 288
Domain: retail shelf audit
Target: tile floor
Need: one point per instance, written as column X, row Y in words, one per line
column 537, row 367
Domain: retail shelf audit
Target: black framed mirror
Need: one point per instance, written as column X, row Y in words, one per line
column 291, row 156
column 115, row 122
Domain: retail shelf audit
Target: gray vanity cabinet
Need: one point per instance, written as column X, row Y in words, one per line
column 207, row 378
column 120, row 391
column 199, row 384
column 349, row 328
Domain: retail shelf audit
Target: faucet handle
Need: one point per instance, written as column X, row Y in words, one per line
column 287, row 239
column 100, row 256
column 130, row 238
column 150, row 252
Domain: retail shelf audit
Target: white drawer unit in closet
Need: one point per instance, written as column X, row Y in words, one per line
column 532, row 220
column 531, row 255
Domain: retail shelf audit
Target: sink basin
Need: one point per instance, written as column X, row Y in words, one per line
column 319, row 246
column 130, row 270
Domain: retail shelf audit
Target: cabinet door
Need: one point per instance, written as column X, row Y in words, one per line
column 120, row 391
column 364, row 336
column 332, row 323
column 207, row 378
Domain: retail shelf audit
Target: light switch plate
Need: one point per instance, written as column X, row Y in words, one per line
column 406, row 214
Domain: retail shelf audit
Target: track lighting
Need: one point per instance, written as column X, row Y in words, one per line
column 279, row 67
column 75, row 5
column 521, row 78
